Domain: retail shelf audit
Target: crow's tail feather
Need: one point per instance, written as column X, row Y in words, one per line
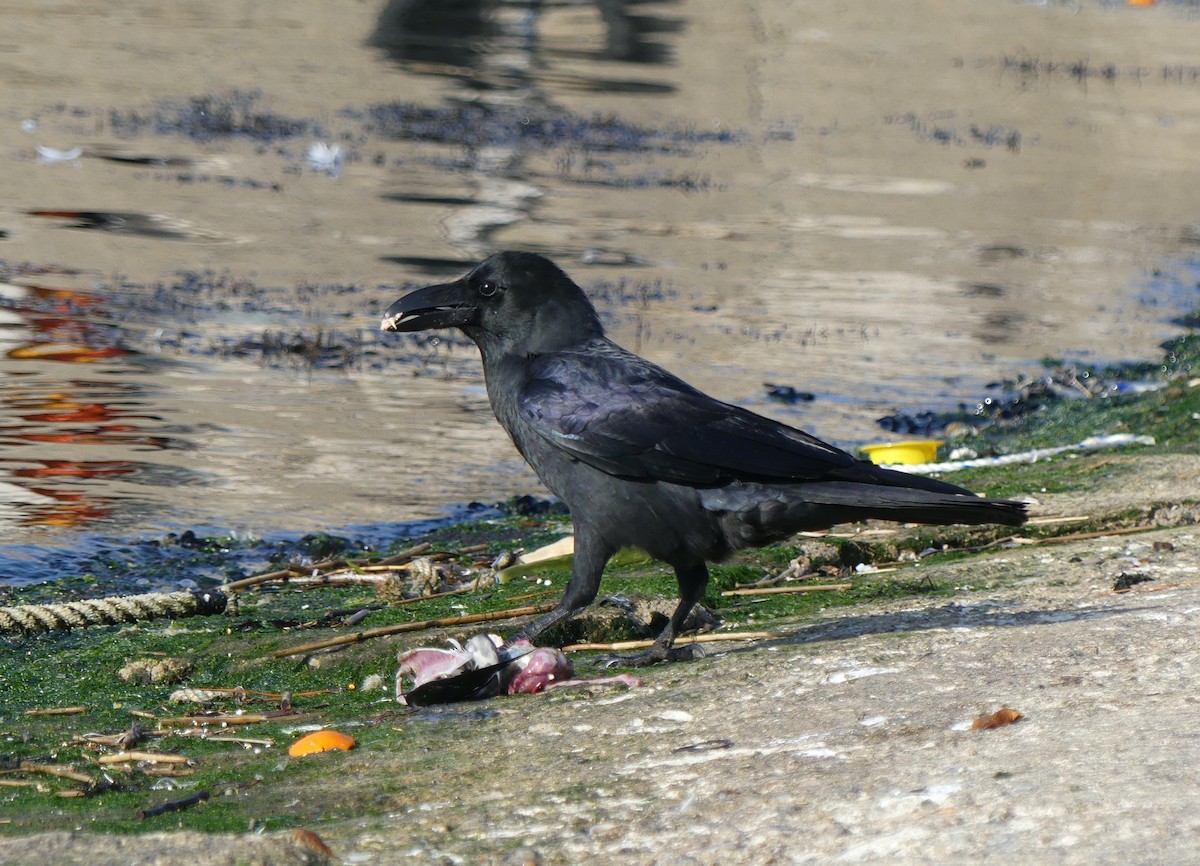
column 914, row 505
column 754, row 514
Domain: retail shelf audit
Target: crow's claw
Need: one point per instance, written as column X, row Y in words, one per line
column 657, row 654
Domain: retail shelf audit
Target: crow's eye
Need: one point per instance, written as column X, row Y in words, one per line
column 488, row 288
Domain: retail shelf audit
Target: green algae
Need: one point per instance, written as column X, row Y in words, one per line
column 257, row 786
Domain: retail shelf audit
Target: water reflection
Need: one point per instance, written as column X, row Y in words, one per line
column 53, row 325
column 489, row 45
column 74, row 412
column 514, row 63
column 448, row 33
column 509, row 157
column 78, row 431
column 48, row 501
column 122, row 222
column 757, row 193
column 58, row 422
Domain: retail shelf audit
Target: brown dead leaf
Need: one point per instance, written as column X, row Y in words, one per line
column 1000, row 718
column 311, row 840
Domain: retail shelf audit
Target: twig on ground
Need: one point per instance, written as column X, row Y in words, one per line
column 460, row 591
column 58, row 711
column 534, row 594
column 781, row 590
column 231, row 719
column 58, row 770
column 152, row 757
column 405, row 555
column 245, row 741
column 173, row 806
column 620, row 646
column 400, row 628
column 291, row 573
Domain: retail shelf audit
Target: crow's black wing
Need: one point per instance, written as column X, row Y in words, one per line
column 620, row 413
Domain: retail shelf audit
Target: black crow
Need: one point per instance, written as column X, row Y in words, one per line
column 643, row 459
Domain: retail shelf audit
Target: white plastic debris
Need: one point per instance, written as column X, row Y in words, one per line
column 1092, row 443
column 325, row 158
column 51, row 155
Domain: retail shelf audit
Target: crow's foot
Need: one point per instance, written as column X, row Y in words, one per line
column 656, row 654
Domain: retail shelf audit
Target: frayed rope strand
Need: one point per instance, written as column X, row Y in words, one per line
column 109, row 611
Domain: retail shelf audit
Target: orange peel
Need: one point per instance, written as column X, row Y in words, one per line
column 321, row 741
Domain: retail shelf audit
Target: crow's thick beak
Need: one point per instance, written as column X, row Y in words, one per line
column 449, row 305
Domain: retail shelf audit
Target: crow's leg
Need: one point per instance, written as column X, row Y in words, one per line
column 693, row 580
column 591, row 555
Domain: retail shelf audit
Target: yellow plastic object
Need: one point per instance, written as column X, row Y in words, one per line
column 910, row 452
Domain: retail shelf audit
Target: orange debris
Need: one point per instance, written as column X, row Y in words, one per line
column 321, row 741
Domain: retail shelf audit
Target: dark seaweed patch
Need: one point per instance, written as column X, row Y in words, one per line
column 1017, row 401
column 1083, row 70
column 320, row 349
column 119, row 222
column 645, row 181
column 474, row 126
column 940, row 128
column 203, row 118
column 95, row 564
column 430, row 264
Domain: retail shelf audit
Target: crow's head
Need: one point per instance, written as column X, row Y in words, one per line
column 511, row 302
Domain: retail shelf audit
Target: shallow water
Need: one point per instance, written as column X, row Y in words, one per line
column 886, row 204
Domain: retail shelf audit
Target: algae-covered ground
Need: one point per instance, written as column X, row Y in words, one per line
column 604, row 772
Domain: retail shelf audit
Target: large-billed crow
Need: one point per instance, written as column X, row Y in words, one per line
column 643, row 459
